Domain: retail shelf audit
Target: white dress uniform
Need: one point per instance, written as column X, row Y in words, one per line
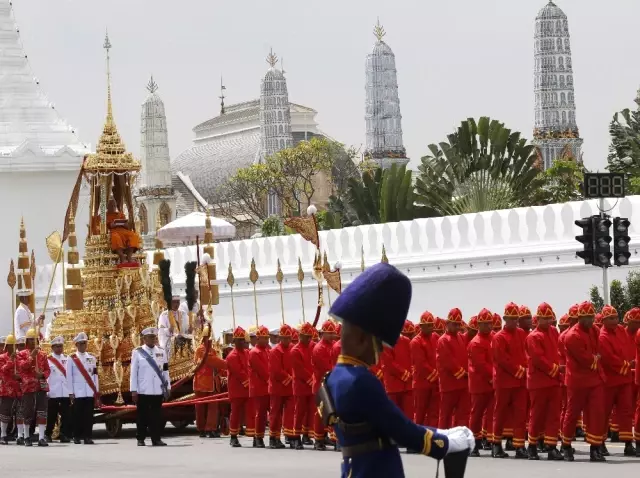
column 83, row 402
column 164, row 324
column 146, row 383
column 23, row 320
column 59, row 402
column 58, row 386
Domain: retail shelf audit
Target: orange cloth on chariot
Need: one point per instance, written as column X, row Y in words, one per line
column 121, row 237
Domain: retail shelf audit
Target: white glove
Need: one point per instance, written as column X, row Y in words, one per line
column 460, row 440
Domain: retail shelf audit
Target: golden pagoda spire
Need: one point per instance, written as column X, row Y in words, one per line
column 107, row 47
column 378, row 31
column 272, row 58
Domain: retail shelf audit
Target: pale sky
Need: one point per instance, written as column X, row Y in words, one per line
column 455, row 59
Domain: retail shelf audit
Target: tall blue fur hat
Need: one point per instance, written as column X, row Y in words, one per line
column 376, row 301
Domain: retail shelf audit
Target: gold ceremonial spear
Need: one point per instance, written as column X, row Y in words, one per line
column 11, row 282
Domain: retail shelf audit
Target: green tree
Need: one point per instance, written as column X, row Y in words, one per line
column 618, row 298
column 562, row 182
column 623, row 296
column 272, row 226
column 482, row 166
column 624, row 150
column 596, row 298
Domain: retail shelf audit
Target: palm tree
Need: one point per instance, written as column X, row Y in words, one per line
column 482, row 167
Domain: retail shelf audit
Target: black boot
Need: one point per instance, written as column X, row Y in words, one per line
column 509, row 445
column 521, row 454
column 638, row 448
column 42, row 442
column 276, row 444
column 486, row 445
column 541, row 444
column 286, row 440
column 20, row 441
column 203, row 434
column 234, row 442
column 319, row 445
column 594, row 454
column 293, row 441
column 260, row 443
column 306, row 440
column 476, row 449
column 27, row 442
column 615, row 437
column 243, row 431
column 4, row 441
column 532, row 452
column 215, row 434
column 554, row 455
column 64, row 439
column 579, row 432
column 567, row 451
column 297, row 444
column 498, row 452
column 254, row 443
column 629, row 449
column 603, row 450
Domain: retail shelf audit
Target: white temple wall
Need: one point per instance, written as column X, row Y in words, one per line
column 524, row 255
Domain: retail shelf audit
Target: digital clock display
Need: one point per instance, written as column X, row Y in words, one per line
column 604, row 185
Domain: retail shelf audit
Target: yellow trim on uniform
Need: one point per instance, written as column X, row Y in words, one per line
column 348, row 360
column 428, row 437
column 459, row 374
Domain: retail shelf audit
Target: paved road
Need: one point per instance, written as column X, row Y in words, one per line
column 187, row 454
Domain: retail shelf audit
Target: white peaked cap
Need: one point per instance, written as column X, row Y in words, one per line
column 59, row 340
column 23, row 292
column 81, row 337
column 150, row 331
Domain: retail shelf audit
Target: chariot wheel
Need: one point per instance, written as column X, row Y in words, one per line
column 114, row 427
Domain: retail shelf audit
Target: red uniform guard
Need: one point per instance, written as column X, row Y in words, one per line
column 238, row 385
column 481, row 380
column 281, row 390
column 302, row 382
column 451, row 359
column 259, row 384
column 206, row 382
column 632, row 329
column 585, row 384
column 509, row 382
column 543, row 383
column 618, row 354
column 396, row 371
column 426, row 394
column 322, row 363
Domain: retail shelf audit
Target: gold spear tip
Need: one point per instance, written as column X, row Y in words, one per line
column 11, row 278
column 230, row 279
column 300, row 271
column 384, row 255
column 253, row 274
column 279, row 274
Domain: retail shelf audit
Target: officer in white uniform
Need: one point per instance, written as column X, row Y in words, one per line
column 59, row 403
column 23, row 319
column 166, row 328
column 148, row 388
column 82, row 381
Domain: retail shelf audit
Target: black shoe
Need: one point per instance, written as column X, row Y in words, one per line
column 567, row 451
column 28, row 442
column 486, row 445
column 554, row 455
column 48, row 438
column 42, row 442
column 532, row 453
column 234, row 442
column 476, row 449
column 615, row 437
column 319, row 445
column 254, row 442
column 4, row 441
column 579, row 432
column 259, row 443
column 286, row 440
column 603, row 450
column 498, row 452
column 412, row 452
column 88, row 441
column 306, row 440
column 20, row 441
column 629, row 449
column 64, row 439
column 594, row 454
column 141, row 443
column 637, row 448
column 158, row 443
column 278, row 444
column 243, row 432
column 509, row 445
column 203, row 434
column 77, row 441
column 213, row 435
column 521, row 454
column 298, row 444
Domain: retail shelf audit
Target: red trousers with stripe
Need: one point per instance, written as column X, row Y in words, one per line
column 620, row 397
column 482, row 405
column 206, row 414
column 589, row 401
column 636, row 420
column 510, row 403
column 281, row 415
column 454, row 409
column 426, row 404
column 242, row 409
column 260, row 409
column 544, row 419
column 404, row 401
column 305, row 411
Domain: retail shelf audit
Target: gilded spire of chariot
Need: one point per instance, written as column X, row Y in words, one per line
column 272, row 59
column 378, row 31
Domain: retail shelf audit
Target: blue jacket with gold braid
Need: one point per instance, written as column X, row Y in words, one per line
column 370, row 427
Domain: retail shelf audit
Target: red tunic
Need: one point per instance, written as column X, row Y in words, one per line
column 452, row 362
column 335, row 351
column 396, row 366
column 544, row 360
column 423, row 360
column 617, row 350
column 509, row 359
column 207, row 378
column 377, row 370
column 280, row 371
column 9, row 386
column 238, row 373
column 259, row 371
column 636, row 339
column 480, row 364
column 29, row 383
column 583, row 367
column 302, row 369
column 322, row 362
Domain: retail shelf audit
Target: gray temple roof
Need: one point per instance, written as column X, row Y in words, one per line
column 551, row 12
column 233, row 113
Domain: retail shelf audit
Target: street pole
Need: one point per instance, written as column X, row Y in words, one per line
column 605, row 270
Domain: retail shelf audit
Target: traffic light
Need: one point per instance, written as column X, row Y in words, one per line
column 587, row 225
column 621, row 240
column 601, row 242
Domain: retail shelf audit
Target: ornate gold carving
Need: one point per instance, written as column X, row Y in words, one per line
column 272, row 59
column 11, row 278
column 279, row 274
column 305, row 226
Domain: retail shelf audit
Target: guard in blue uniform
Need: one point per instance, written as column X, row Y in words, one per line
column 370, row 427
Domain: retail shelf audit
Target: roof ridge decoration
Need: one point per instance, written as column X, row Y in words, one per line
column 111, row 155
column 272, row 58
column 378, row 31
column 152, row 86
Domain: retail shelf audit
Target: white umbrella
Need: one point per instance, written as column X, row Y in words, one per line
column 186, row 228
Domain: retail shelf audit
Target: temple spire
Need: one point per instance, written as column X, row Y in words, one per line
column 222, row 88
column 152, row 86
column 378, row 31
column 272, row 59
column 107, row 47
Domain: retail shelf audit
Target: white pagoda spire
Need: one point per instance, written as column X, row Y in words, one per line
column 556, row 131
column 29, row 120
column 382, row 106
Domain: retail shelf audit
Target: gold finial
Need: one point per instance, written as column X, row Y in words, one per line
column 279, row 274
column 11, row 278
column 272, row 59
column 361, row 258
column 152, row 86
column 230, row 279
column 107, row 47
column 378, row 31
column 326, row 267
column 384, row 255
column 253, row 274
column 300, row 271
column 23, row 231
